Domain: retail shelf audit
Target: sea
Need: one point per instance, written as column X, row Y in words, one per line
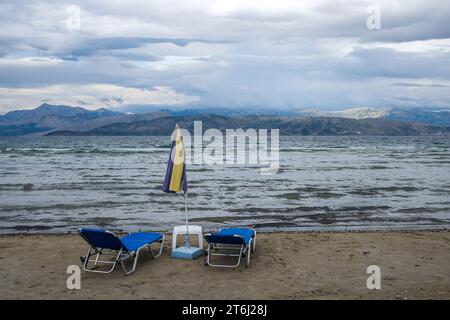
column 59, row 184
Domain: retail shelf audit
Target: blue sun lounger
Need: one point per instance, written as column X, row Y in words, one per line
column 227, row 242
column 102, row 243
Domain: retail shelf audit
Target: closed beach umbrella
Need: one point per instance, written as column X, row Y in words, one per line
column 175, row 179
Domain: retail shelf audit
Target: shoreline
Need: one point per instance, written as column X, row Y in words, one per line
column 286, row 265
column 205, row 230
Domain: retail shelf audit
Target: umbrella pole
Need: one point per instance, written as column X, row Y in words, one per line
column 186, row 238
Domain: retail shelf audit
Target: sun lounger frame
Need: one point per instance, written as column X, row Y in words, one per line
column 244, row 250
column 120, row 257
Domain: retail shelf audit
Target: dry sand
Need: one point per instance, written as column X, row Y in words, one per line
column 414, row 264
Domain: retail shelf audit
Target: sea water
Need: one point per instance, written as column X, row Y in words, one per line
column 324, row 183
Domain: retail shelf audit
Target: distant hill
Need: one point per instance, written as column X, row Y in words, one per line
column 287, row 126
column 438, row 118
column 47, row 118
column 353, row 113
column 47, row 110
column 424, row 116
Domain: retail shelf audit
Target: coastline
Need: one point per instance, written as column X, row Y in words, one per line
column 286, row 265
column 406, row 229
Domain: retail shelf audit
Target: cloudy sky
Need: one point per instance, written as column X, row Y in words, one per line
column 225, row 53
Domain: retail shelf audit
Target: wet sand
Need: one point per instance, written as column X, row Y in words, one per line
column 414, row 265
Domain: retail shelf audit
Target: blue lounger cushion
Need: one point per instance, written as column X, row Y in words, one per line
column 228, row 236
column 100, row 238
column 134, row 241
column 217, row 238
column 247, row 234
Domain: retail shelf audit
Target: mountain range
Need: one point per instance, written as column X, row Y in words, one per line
column 66, row 120
column 286, row 125
column 424, row 116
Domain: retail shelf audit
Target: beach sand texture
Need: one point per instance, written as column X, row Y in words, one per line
column 414, row 264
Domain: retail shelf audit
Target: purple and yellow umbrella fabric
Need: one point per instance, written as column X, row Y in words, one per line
column 175, row 180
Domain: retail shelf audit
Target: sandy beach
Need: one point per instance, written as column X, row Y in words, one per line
column 414, row 265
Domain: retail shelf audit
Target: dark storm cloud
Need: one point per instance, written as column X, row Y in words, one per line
column 91, row 47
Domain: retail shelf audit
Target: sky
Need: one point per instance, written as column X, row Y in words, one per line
column 278, row 54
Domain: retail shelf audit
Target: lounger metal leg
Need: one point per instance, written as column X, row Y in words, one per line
column 96, row 261
column 98, row 256
column 85, row 259
column 209, row 254
column 249, row 252
column 136, row 256
column 161, row 247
